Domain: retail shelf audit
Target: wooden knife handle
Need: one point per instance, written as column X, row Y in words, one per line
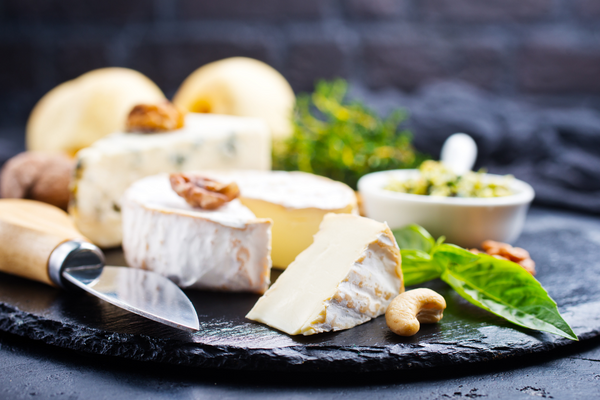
column 29, row 232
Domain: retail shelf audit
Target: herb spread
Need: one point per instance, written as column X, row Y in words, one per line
column 435, row 179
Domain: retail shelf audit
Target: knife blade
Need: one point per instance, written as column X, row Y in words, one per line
column 144, row 293
column 40, row 242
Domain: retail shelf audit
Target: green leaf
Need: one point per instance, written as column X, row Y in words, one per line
column 451, row 253
column 414, row 237
column 417, row 246
column 502, row 288
column 418, row 267
column 498, row 286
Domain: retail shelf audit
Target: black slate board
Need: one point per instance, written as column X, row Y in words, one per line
column 566, row 248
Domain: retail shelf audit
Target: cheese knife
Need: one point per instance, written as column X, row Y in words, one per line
column 40, row 242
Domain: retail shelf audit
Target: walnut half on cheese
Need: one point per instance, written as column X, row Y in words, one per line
column 350, row 274
column 227, row 248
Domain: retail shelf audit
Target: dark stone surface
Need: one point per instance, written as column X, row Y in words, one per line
column 564, row 247
column 33, row 370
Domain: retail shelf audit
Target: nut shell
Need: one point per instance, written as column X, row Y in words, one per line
column 37, row 176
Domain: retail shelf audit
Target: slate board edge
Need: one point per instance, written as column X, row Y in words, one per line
column 297, row 358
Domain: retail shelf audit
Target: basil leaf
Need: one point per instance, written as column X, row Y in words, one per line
column 447, row 253
column 505, row 289
column 417, row 247
column 498, row 286
column 414, row 237
column 418, row 267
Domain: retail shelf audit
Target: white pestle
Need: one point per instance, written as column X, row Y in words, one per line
column 459, row 153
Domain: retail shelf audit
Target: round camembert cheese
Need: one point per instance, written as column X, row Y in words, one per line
column 223, row 249
column 295, row 201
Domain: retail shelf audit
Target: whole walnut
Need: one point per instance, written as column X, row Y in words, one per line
column 38, row 176
column 148, row 118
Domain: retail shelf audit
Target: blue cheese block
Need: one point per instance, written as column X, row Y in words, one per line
column 108, row 167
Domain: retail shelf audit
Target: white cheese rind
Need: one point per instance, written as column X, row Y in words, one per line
column 292, row 190
column 224, row 249
column 107, row 168
column 347, row 276
column 365, row 293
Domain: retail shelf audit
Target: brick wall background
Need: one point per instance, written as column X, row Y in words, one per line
column 544, row 51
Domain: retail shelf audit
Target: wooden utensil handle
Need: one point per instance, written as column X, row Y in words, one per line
column 29, row 232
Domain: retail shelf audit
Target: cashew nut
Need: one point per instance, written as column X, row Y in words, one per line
column 410, row 309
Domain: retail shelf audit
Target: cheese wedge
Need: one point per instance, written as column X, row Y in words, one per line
column 107, row 168
column 223, row 249
column 350, row 274
column 295, row 201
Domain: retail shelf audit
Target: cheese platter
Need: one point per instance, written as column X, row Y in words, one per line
column 563, row 244
column 286, row 266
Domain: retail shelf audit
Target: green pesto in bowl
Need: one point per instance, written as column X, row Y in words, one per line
column 435, row 179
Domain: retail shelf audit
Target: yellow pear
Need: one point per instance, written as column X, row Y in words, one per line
column 243, row 87
column 76, row 113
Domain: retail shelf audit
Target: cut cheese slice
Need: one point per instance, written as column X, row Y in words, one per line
column 107, row 168
column 295, row 201
column 350, row 274
column 223, row 249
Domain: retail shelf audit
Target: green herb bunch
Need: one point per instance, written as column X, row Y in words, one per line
column 498, row 286
column 341, row 139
